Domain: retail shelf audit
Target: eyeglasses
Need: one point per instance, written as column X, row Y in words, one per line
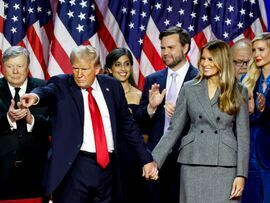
column 241, row 63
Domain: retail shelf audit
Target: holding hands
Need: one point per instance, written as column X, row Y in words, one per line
column 150, row 171
column 261, row 101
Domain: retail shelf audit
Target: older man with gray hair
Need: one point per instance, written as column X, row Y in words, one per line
column 23, row 131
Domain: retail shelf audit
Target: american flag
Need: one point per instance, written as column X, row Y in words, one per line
column 50, row 31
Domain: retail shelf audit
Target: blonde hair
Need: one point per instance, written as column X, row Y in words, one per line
column 230, row 98
column 83, row 52
column 254, row 71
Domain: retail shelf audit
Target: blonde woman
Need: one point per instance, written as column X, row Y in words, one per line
column 257, row 81
column 214, row 153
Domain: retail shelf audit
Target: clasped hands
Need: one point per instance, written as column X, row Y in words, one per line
column 19, row 113
column 150, row 171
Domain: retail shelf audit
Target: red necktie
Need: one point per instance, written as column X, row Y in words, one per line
column 98, row 129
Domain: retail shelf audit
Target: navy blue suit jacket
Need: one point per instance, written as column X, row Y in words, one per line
column 154, row 126
column 260, row 129
column 65, row 97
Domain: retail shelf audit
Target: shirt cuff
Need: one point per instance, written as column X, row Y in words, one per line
column 30, row 126
column 150, row 113
column 13, row 125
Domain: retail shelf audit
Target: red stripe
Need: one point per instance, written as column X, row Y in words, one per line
column 60, row 56
column 141, row 81
column 49, row 30
column 36, row 45
column 104, row 33
column 1, row 24
column 263, row 25
column 86, row 42
column 249, row 33
column 200, row 39
column 152, row 54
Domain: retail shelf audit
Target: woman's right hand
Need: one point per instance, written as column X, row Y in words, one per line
column 237, row 187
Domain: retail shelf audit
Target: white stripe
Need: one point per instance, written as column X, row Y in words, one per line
column 103, row 52
column 153, row 34
column 194, row 53
column 263, row 12
column 209, row 35
column 146, row 66
column 238, row 38
column 34, row 66
column 2, row 8
column 63, row 36
column 54, row 68
column 256, row 27
column 5, row 43
column 42, row 35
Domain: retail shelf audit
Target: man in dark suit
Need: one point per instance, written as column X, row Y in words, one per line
column 156, row 109
column 23, row 131
column 88, row 109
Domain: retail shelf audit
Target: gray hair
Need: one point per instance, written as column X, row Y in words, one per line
column 15, row 51
column 84, row 51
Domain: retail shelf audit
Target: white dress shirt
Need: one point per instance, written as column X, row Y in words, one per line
column 88, row 134
column 13, row 125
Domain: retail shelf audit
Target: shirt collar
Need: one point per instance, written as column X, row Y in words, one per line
column 23, row 86
column 180, row 71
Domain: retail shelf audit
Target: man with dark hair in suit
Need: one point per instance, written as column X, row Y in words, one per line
column 156, row 109
column 90, row 120
column 23, row 131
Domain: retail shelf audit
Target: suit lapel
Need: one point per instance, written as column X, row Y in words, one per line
column 106, row 91
column 5, row 93
column 188, row 76
column 76, row 94
column 203, row 98
column 162, row 79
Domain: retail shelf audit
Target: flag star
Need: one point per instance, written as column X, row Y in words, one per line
column 240, row 25
column 133, row 12
column 135, row 1
column 142, row 28
column 179, row 24
column 13, row 30
column 124, row 10
column 205, row 18
column 169, row 9
column 81, row 16
column 195, row 2
column 193, row 15
column 23, row 20
column 251, row 14
column 83, row 4
column 6, row 5
column 191, row 28
column 39, row 9
column 140, row 41
column 14, row 18
column 217, row 18
column 231, row 8
column 143, row 14
column 228, row 21
column 145, row 2
column 206, row 4
column 80, row 28
column 93, row 6
column 62, row 1
column 242, row 11
column 181, row 12
column 30, row 10
column 5, row 16
column 158, row 6
column 167, row 22
column 33, row 0
column 72, row 2
column 92, row 18
column 219, row 5
column 184, row 0
column 131, row 25
column 252, row 1
column 16, row 6
column 70, row 14
column 225, row 35
column 49, row 13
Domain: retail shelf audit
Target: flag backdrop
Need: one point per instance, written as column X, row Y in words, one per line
column 49, row 29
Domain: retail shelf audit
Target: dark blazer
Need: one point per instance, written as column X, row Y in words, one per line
column 260, row 129
column 31, row 147
column 211, row 139
column 65, row 97
column 154, row 126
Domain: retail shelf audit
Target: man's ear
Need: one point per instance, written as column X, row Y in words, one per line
column 186, row 48
column 97, row 67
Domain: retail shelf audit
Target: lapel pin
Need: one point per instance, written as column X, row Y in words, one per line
column 108, row 89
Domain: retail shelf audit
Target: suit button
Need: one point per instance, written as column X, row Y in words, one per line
column 200, row 116
column 78, row 146
column 69, row 163
column 215, row 131
column 218, row 118
column 201, row 131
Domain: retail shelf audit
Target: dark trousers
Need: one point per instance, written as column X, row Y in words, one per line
column 257, row 186
column 86, row 182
